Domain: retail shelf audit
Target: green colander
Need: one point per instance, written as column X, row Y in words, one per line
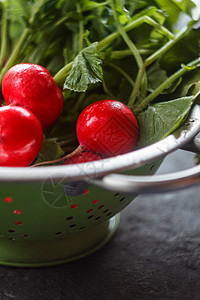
column 56, row 214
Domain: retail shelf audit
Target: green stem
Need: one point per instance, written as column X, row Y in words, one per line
column 143, row 105
column 63, row 20
column 119, row 54
column 3, row 34
column 151, row 59
column 136, row 89
column 133, row 24
column 62, row 73
column 126, row 38
column 14, row 55
column 167, row 46
column 70, row 15
column 159, row 27
column 16, row 51
column 59, row 77
column 81, row 28
column 113, row 36
column 96, row 5
column 131, row 46
column 36, row 7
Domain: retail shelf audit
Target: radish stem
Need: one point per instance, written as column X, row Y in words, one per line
column 3, row 34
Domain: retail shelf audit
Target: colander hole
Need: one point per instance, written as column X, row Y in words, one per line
column 17, row 211
column 97, row 218
column 18, row 223
column 73, row 205
column 86, row 192
column 11, row 239
column 90, row 217
column 122, row 199
column 8, row 199
column 81, row 228
column 73, row 225
column 101, row 206
column 95, row 201
column 24, row 235
column 89, row 210
column 116, row 195
column 151, row 168
column 105, row 211
column 58, row 233
column 11, row 230
column 110, row 213
column 69, row 218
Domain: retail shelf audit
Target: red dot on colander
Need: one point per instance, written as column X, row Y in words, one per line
column 73, row 205
column 8, row 199
column 17, row 211
column 86, row 191
column 95, row 201
column 100, row 206
column 89, row 210
column 18, row 223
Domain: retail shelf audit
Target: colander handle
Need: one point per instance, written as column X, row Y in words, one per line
column 153, row 184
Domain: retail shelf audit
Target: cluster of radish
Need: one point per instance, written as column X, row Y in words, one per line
column 34, row 102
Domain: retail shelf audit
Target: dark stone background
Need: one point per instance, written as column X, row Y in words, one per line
column 155, row 254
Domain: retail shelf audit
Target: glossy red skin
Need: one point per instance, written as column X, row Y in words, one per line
column 32, row 86
column 107, row 127
column 82, row 158
column 21, row 136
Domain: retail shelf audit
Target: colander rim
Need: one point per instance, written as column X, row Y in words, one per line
column 131, row 160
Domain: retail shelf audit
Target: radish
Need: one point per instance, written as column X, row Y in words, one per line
column 82, row 157
column 21, row 136
column 108, row 128
column 105, row 128
column 33, row 87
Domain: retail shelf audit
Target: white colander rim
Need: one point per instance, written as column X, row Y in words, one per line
column 120, row 163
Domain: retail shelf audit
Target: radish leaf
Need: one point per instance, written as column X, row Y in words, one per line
column 50, row 151
column 86, row 69
column 161, row 119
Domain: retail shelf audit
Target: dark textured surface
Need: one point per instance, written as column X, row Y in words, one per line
column 155, row 254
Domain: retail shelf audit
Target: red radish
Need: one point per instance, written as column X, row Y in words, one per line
column 33, row 87
column 107, row 127
column 21, row 136
column 82, row 157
